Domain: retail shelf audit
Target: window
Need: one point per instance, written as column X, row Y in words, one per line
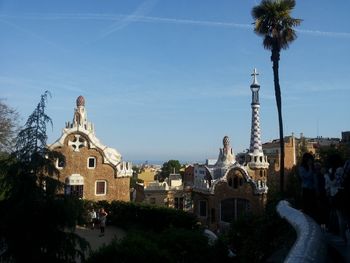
column 233, row 208
column 203, row 208
column 60, row 163
column 235, row 182
column 212, row 215
column 230, row 181
column 91, row 162
column 74, row 190
column 101, row 188
column 179, row 203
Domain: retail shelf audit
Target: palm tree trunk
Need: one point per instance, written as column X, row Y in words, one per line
column 275, row 57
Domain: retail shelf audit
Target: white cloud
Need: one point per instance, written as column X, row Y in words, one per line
column 139, row 16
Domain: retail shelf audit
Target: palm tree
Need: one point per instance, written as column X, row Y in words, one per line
column 274, row 23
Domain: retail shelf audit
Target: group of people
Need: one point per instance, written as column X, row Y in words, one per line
column 326, row 192
column 98, row 219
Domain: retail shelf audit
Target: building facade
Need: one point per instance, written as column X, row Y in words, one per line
column 227, row 190
column 170, row 193
column 89, row 169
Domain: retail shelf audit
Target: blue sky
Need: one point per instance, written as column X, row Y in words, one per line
column 169, row 79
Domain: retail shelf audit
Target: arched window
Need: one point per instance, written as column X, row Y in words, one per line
column 230, row 181
column 235, row 182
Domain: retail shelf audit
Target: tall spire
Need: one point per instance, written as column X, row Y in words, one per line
column 255, row 140
column 257, row 158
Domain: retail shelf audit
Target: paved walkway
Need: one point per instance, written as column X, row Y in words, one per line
column 92, row 236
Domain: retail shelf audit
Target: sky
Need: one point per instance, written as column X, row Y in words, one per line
column 166, row 79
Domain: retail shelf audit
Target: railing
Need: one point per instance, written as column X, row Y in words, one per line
column 310, row 245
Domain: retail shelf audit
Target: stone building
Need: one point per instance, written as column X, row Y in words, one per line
column 293, row 150
column 89, row 169
column 169, row 193
column 227, row 190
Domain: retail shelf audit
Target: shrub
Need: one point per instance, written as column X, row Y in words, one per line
column 171, row 245
column 130, row 215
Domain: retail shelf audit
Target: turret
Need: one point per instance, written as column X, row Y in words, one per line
column 256, row 157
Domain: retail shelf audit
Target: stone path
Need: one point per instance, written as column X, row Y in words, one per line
column 92, row 236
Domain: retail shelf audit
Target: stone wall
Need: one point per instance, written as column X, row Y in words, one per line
column 76, row 162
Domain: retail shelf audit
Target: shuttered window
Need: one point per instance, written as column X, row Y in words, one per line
column 101, row 187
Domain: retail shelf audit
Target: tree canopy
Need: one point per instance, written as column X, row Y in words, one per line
column 169, row 167
column 274, row 23
column 8, row 126
column 34, row 216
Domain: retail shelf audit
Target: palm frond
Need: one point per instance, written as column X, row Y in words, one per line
column 274, row 23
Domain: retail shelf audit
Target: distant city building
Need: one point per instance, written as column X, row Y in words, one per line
column 294, row 148
column 189, row 176
column 169, row 193
column 89, row 169
column 345, row 136
column 148, row 174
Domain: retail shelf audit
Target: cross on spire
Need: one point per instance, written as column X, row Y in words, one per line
column 254, row 74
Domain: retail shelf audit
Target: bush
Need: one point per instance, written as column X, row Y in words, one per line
column 131, row 215
column 170, row 245
column 256, row 238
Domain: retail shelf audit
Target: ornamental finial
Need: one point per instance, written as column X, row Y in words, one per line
column 254, row 74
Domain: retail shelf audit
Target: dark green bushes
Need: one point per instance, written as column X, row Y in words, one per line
column 170, row 245
column 258, row 238
column 130, row 215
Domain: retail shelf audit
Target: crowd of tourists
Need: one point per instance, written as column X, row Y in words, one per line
column 326, row 192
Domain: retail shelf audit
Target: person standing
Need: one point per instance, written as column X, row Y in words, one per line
column 322, row 204
column 333, row 184
column 306, row 172
column 103, row 218
column 92, row 218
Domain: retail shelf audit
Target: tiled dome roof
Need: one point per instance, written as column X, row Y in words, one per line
column 80, row 101
column 226, row 141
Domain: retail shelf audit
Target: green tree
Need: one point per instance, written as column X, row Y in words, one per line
column 34, row 218
column 169, row 167
column 274, row 23
column 8, row 127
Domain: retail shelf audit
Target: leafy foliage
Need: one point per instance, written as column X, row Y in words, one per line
column 35, row 218
column 274, row 23
column 169, row 167
column 8, row 127
column 131, row 215
column 327, row 154
column 170, row 245
column 257, row 238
